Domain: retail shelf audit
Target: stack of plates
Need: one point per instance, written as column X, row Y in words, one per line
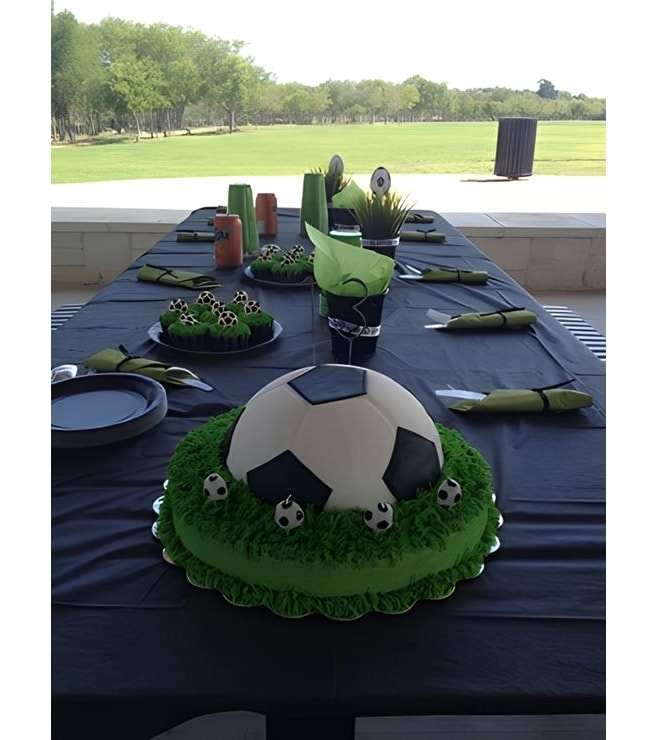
column 94, row 410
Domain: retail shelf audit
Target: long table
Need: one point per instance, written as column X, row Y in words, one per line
column 136, row 649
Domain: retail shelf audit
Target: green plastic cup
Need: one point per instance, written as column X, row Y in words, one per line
column 241, row 201
column 314, row 204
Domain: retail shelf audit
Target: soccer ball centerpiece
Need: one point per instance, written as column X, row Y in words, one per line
column 331, row 491
column 336, row 437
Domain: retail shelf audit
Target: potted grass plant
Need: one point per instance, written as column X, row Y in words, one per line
column 335, row 180
column 380, row 213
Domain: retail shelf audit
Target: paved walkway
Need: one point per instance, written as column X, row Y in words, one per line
column 442, row 193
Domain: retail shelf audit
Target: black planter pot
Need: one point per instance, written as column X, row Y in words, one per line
column 387, row 247
column 354, row 324
column 341, row 218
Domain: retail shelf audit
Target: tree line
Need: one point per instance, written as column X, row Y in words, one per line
column 128, row 77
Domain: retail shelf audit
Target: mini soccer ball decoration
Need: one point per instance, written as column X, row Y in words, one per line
column 188, row 319
column 380, row 517
column 214, row 487
column 227, row 318
column 288, row 514
column 240, row 296
column 178, row 304
column 449, row 493
column 206, row 298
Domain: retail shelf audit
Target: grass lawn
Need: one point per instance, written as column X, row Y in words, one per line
column 561, row 148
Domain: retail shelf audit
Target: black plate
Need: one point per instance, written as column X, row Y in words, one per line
column 103, row 408
column 156, row 330
column 279, row 284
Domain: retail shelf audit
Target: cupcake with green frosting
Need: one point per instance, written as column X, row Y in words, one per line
column 229, row 332
column 260, row 322
column 175, row 308
column 187, row 332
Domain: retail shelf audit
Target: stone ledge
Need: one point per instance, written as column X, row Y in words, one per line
column 542, row 251
column 529, row 224
column 103, row 219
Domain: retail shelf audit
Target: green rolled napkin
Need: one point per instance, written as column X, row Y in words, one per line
column 195, row 236
column 193, row 280
column 511, row 318
column 418, row 218
column 493, row 320
column 551, row 399
column 422, row 236
column 118, row 360
column 453, row 275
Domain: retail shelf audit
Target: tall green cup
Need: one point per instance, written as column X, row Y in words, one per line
column 241, row 201
column 314, row 204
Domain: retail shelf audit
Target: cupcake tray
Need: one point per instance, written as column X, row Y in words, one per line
column 278, row 284
column 155, row 333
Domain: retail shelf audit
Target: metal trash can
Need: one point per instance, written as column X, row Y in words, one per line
column 515, row 147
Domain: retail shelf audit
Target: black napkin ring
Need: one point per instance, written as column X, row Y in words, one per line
column 165, row 271
column 418, row 218
column 544, row 400
column 128, row 357
column 462, row 273
column 542, row 395
column 502, row 313
column 456, row 270
column 183, row 235
column 495, row 313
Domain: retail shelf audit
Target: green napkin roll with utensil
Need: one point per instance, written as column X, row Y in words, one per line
column 453, row 275
column 195, row 236
column 422, row 236
column 505, row 400
column 418, row 218
column 192, row 280
column 510, row 318
column 494, row 319
column 118, row 360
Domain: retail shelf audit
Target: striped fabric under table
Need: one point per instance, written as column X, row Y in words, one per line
column 62, row 314
column 586, row 333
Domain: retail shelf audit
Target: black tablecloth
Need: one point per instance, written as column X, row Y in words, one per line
column 136, row 649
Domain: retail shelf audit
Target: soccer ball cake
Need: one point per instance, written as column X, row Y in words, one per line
column 330, row 491
column 350, row 438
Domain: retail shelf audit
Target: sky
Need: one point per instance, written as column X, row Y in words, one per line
column 466, row 43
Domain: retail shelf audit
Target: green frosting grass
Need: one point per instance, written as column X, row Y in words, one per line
column 187, row 330
column 333, row 552
column 168, row 318
column 274, row 269
column 229, row 332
